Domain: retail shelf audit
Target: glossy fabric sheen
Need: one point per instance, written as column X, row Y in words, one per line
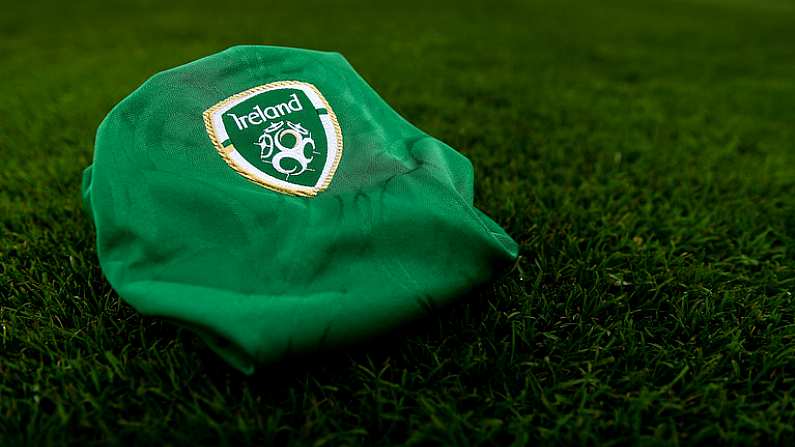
column 260, row 274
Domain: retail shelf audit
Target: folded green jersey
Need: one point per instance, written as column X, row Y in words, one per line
column 270, row 200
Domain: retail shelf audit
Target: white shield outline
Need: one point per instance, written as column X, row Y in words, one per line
column 331, row 129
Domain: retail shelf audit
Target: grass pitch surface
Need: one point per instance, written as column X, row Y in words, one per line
column 642, row 153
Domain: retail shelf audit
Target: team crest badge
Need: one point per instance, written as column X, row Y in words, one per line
column 283, row 136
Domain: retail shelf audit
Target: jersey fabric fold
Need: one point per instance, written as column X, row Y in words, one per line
column 269, row 200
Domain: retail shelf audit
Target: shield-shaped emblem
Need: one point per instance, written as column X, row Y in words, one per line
column 283, row 136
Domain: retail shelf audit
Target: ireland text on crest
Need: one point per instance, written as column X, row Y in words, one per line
column 283, row 136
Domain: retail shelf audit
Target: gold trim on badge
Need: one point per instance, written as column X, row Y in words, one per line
column 226, row 151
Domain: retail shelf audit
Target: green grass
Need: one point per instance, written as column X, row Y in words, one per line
column 642, row 153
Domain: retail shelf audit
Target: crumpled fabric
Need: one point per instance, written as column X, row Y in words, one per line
column 260, row 274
